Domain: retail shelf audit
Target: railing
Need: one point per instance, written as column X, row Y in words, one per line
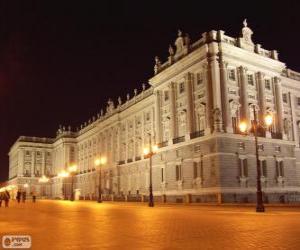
column 197, row 134
column 179, row 139
column 276, row 135
column 163, row 144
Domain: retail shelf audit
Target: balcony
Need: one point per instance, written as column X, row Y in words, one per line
column 121, row 162
column 179, row 139
column 197, row 134
column 129, row 160
column 163, row 144
column 276, row 135
column 137, row 158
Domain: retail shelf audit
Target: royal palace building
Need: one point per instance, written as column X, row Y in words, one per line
column 192, row 111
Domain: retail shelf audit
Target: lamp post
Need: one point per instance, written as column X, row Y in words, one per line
column 63, row 174
column 243, row 128
column 149, row 152
column 72, row 170
column 98, row 162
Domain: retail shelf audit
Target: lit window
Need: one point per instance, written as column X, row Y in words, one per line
column 250, row 80
column 231, row 74
column 268, row 84
column 181, row 87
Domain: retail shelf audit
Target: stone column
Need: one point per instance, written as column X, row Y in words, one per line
column 172, row 112
column 243, row 94
column 279, row 107
column 190, row 113
column 158, row 137
column 225, row 98
column 20, row 167
column 43, row 162
column 32, row 163
column 214, row 71
column 294, row 121
column 261, row 97
column 209, row 96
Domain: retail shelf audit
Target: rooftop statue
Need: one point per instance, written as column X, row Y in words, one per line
column 179, row 43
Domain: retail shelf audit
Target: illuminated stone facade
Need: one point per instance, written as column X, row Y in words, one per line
column 192, row 110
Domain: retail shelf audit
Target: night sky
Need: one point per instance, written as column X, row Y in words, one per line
column 60, row 61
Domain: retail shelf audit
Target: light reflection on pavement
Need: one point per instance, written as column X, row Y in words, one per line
column 89, row 225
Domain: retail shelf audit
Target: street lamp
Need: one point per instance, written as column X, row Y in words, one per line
column 72, row 170
column 268, row 120
column 98, row 162
column 148, row 153
column 63, row 174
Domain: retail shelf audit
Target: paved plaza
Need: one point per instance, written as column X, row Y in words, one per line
column 89, row 225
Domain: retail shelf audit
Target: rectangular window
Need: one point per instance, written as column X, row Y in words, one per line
column 263, row 165
column 162, row 175
column 298, row 100
column 195, row 170
column 178, row 172
column 243, row 168
column 284, row 98
column 166, row 95
column 267, row 84
column 279, row 169
column 181, row 87
column 231, row 74
column 199, row 78
column 250, row 80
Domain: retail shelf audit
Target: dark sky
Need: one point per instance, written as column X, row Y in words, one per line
column 61, row 60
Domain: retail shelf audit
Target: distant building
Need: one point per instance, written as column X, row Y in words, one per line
column 192, row 112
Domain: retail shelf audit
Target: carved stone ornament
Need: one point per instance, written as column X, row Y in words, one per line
column 171, row 50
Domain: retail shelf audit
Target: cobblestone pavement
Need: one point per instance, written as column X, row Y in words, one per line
column 89, row 225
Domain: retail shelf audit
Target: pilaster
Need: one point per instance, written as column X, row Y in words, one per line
column 244, row 110
column 190, row 107
column 261, row 97
column 294, row 121
column 226, row 115
column 158, row 137
column 279, row 107
column 216, row 86
column 172, row 111
column 32, row 163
